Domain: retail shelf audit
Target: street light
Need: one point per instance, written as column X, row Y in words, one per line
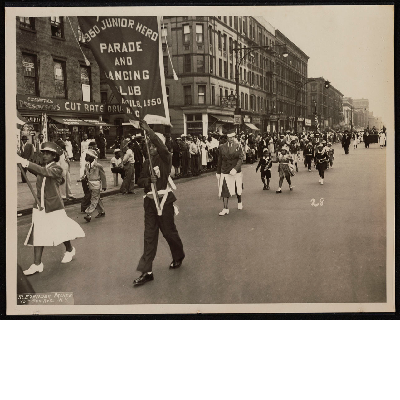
column 239, row 59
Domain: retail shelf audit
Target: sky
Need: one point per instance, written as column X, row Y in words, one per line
column 351, row 46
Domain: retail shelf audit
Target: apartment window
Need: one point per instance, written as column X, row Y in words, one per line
column 230, row 21
column 188, row 94
column 230, row 71
column 246, row 102
column 224, row 42
column 220, row 67
column 59, row 79
column 251, row 102
column 240, row 25
column 27, row 22
column 202, row 94
column 85, row 83
column 244, row 25
column 241, row 100
column 210, row 36
column 167, row 93
column 230, row 45
column 213, row 95
column 81, row 37
column 57, row 27
column 30, row 74
column 225, row 69
column 104, row 97
column 220, row 96
column 199, row 33
column 164, row 33
column 187, row 67
column 250, row 82
column 219, row 40
column 225, row 20
column 211, row 65
column 186, row 33
column 200, row 64
column 165, row 63
column 235, row 22
column 313, row 87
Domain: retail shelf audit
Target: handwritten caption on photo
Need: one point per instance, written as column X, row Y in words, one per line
column 52, row 298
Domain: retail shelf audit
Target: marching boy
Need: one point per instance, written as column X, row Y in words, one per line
column 96, row 181
column 265, row 165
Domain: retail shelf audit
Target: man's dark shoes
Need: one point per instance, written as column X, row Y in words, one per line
column 176, row 263
column 88, row 217
column 146, row 277
column 99, row 215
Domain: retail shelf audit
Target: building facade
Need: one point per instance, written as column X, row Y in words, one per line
column 291, row 79
column 202, row 50
column 361, row 112
column 324, row 105
column 54, row 81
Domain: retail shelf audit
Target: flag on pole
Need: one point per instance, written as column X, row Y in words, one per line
column 128, row 50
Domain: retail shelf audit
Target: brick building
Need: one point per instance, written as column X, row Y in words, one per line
column 53, row 78
column 291, row 78
column 325, row 103
column 203, row 57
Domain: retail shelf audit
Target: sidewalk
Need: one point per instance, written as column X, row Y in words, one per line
column 25, row 199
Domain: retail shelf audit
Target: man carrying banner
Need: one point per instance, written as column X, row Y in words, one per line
column 153, row 223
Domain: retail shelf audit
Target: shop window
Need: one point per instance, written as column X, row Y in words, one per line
column 85, row 83
column 199, row 33
column 200, row 64
column 188, row 94
column 186, row 33
column 57, row 27
column 104, row 97
column 164, row 33
column 29, row 65
column 81, row 36
column 188, row 63
column 202, row 94
column 59, row 79
column 27, row 22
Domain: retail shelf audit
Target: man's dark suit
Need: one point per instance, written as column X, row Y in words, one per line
column 27, row 151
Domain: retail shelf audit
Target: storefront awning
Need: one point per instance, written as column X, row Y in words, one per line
column 70, row 121
column 223, row 118
column 251, row 126
column 95, row 122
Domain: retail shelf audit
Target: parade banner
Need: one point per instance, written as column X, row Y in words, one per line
column 128, row 51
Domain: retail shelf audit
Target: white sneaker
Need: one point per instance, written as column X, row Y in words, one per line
column 33, row 269
column 224, row 211
column 240, row 206
column 322, row 181
column 68, row 256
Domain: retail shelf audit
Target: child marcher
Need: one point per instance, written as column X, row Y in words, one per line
column 355, row 141
column 285, row 167
column 65, row 188
column 321, row 160
column 117, row 166
column 96, row 177
column 331, row 153
column 50, row 223
column 265, row 165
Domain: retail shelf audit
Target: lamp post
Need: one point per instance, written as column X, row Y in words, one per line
column 241, row 54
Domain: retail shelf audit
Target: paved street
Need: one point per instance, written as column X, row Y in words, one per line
column 278, row 249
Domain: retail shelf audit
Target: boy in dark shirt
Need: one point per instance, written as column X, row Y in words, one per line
column 265, row 164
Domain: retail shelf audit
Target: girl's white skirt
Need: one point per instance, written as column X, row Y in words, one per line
column 229, row 185
column 52, row 229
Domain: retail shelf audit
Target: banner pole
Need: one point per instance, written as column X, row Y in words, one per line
column 30, row 185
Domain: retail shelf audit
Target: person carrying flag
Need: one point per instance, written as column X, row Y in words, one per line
column 160, row 160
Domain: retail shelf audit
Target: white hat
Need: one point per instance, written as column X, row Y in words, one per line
column 117, row 150
column 231, row 134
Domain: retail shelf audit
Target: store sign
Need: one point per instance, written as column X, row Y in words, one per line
column 256, row 120
column 237, row 119
column 44, row 104
column 307, row 122
column 246, row 118
column 273, row 117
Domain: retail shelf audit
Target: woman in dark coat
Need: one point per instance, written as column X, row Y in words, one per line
column 176, row 157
